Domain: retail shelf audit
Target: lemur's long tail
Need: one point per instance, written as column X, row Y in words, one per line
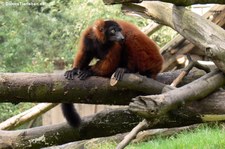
column 71, row 115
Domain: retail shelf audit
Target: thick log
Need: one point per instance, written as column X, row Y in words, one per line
column 155, row 106
column 27, row 87
column 206, row 35
column 176, row 2
column 91, row 143
column 105, row 123
column 179, row 46
column 30, row 87
column 110, row 122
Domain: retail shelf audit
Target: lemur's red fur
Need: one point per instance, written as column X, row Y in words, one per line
column 142, row 53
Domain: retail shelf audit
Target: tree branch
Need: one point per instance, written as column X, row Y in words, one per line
column 141, row 126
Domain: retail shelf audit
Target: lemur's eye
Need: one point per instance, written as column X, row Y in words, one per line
column 113, row 31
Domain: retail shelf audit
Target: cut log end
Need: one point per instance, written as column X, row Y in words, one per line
column 145, row 107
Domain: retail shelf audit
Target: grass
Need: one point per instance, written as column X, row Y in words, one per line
column 204, row 137
column 201, row 138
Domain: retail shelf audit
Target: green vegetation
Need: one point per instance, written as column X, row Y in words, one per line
column 204, row 137
column 162, row 36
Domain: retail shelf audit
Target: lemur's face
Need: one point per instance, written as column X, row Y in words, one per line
column 113, row 31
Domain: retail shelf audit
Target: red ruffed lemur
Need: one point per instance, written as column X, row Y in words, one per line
column 119, row 47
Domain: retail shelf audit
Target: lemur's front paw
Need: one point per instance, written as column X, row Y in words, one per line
column 84, row 74
column 71, row 73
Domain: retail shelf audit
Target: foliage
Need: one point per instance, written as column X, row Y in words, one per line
column 30, row 39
